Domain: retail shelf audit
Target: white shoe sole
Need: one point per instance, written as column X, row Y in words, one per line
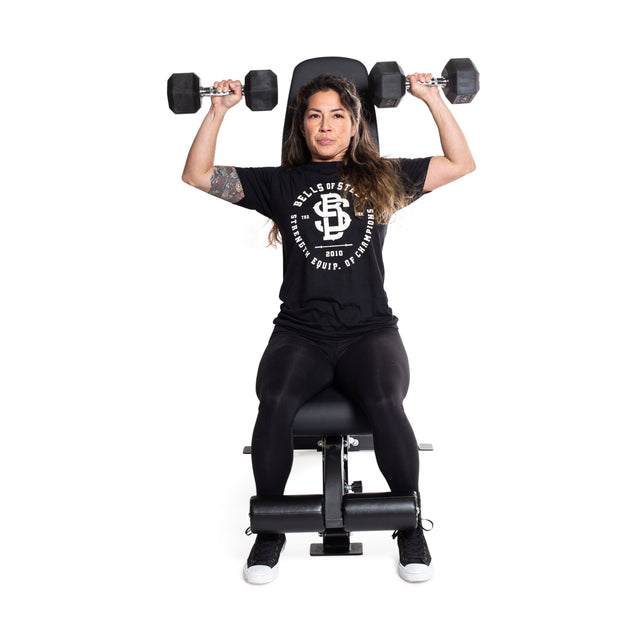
column 259, row 574
column 415, row 572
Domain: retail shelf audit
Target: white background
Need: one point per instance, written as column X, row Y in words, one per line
column 135, row 311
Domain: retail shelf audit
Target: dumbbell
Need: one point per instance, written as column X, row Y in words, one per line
column 184, row 92
column 460, row 82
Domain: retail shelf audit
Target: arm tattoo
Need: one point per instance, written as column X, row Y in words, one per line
column 226, row 184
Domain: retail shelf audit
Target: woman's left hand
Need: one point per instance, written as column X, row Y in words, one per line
column 420, row 90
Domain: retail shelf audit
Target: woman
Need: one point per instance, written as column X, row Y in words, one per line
column 330, row 202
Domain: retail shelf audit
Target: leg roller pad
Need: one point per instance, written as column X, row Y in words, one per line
column 360, row 511
column 286, row 514
column 380, row 511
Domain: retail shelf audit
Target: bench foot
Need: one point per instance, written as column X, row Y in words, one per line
column 317, row 549
column 336, row 543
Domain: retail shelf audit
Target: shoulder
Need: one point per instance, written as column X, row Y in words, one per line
column 413, row 165
column 413, row 171
column 258, row 173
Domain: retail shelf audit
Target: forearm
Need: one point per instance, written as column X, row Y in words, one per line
column 201, row 157
column 454, row 144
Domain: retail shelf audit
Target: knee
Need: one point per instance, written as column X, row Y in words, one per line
column 385, row 404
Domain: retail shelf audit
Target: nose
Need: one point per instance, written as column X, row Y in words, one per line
column 326, row 124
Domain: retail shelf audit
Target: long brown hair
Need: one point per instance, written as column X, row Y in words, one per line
column 375, row 179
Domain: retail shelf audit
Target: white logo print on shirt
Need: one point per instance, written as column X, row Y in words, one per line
column 325, row 200
column 329, row 208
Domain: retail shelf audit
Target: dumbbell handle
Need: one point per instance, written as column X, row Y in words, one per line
column 435, row 82
column 212, row 93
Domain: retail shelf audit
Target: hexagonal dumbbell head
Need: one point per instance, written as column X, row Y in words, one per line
column 261, row 90
column 463, row 80
column 183, row 91
column 387, row 84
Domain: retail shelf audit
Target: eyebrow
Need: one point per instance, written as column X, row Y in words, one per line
column 320, row 110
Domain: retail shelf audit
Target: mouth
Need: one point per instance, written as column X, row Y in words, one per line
column 325, row 141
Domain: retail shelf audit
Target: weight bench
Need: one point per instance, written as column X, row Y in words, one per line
column 331, row 423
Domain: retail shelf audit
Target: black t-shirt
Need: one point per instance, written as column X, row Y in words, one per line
column 333, row 284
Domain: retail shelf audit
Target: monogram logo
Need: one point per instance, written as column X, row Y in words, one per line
column 330, row 209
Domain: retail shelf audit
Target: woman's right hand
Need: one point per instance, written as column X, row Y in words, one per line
column 224, row 103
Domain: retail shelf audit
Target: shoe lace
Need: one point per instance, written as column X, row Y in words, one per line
column 420, row 526
column 266, row 548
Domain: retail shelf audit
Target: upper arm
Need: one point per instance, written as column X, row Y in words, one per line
column 222, row 182
column 442, row 171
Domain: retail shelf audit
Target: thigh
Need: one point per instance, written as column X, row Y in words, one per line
column 292, row 366
column 375, row 366
column 374, row 372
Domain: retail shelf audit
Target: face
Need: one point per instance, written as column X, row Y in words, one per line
column 327, row 127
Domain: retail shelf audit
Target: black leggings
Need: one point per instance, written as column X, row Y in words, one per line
column 373, row 370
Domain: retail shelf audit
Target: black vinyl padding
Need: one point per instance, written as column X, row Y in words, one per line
column 330, row 413
column 361, row 512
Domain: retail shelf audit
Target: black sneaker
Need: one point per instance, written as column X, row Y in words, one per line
column 262, row 564
column 415, row 559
